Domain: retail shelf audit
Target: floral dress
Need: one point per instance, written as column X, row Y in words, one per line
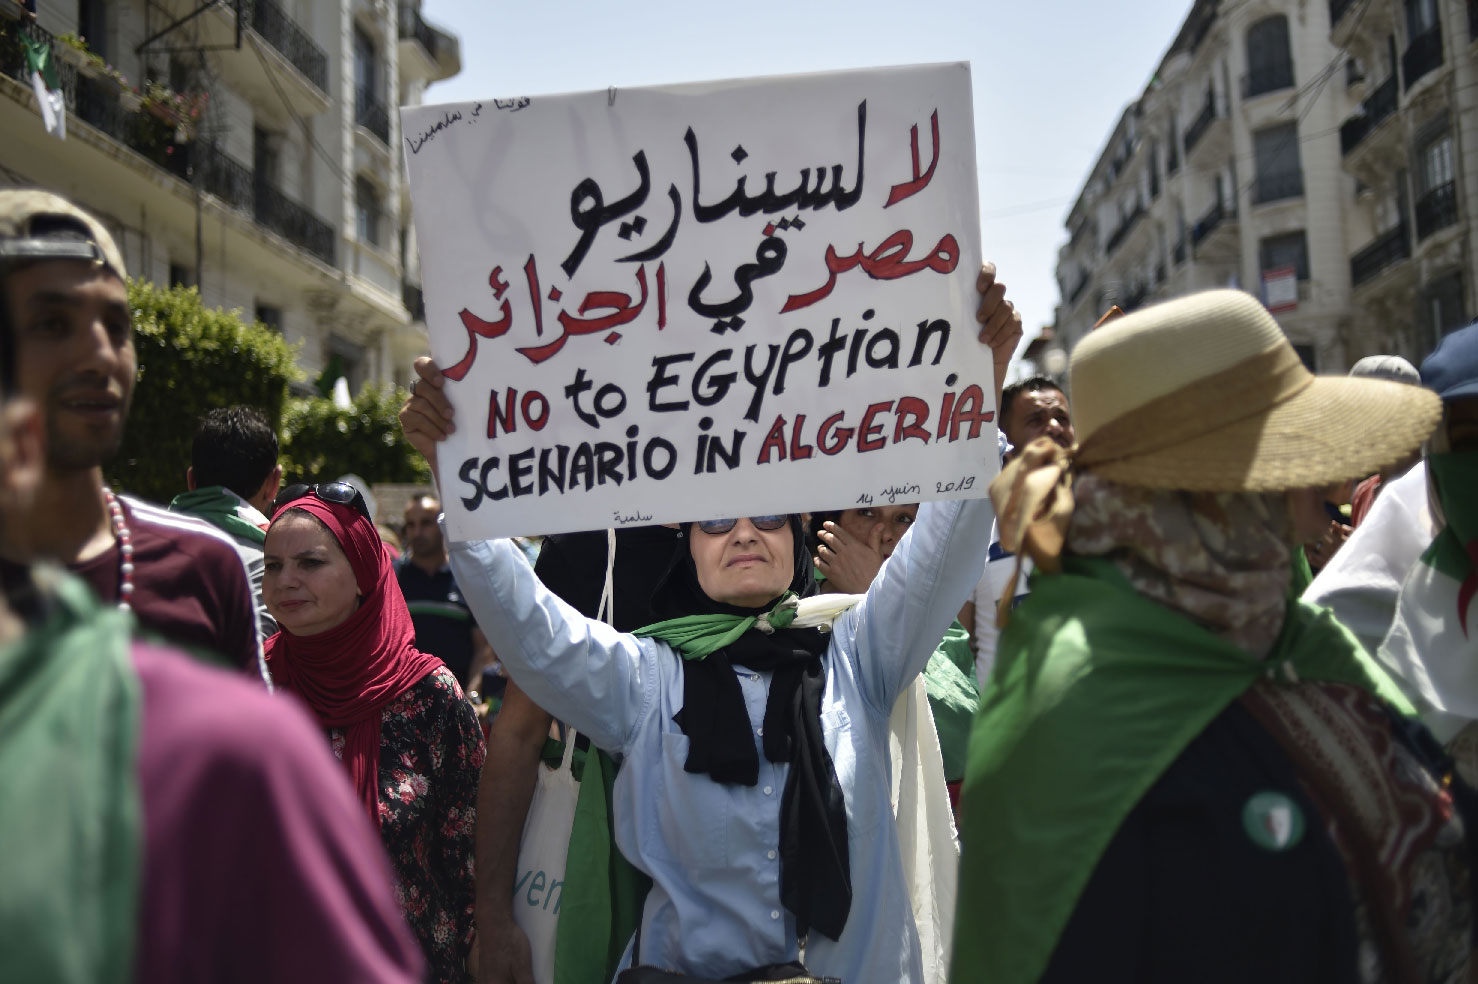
column 431, row 755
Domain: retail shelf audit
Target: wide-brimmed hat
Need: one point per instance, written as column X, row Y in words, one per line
column 1206, row 394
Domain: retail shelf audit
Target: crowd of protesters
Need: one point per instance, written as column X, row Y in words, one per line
column 1197, row 681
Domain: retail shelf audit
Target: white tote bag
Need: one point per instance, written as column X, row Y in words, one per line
column 541, row 860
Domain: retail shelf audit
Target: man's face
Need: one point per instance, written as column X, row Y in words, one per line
column 422, row 534
column 74, row 357
column 1040, row 413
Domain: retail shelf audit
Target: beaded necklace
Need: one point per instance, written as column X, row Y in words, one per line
column 125, row 549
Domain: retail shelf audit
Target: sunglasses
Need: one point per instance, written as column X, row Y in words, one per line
column 717, row 527
column 340, row 493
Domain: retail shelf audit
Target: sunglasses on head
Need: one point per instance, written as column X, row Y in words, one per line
column 341, row 493
column 720, row 526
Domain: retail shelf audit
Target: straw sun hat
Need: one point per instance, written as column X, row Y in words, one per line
column 1205, row 394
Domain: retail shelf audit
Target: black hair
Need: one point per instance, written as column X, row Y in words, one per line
column 234, row 447
column 1010, row 393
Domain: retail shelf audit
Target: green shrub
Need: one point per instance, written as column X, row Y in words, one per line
column 322, row 442
column 192, row 359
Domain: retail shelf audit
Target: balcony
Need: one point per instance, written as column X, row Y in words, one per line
column 371, row 114
column 1215, row 228
column 1375, row 110
column 1117, row 237
column 425, row 51
column 1388, row 249
column 1436, row 210
column 1277, row 187
column 1422, row 56
column 278, row 213
column 1208, row 135
column 414, row 301
column 276, row 60
column 291, row 41
column 1270, row 78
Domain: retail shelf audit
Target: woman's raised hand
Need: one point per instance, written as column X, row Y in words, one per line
column 426, row 417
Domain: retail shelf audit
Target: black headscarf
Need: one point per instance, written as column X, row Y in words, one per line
column 815, row 870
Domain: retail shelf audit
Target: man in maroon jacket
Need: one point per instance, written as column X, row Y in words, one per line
column 67, row 301
column 163, row 820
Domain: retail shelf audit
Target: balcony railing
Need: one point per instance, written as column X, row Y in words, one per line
column 1269, row 78
column 1214, row 217
column 1119, row 234
column 1337, row 9
column 413, row 28
column 1275, row 187
column 1379, row 105
column 1077, row 291
column 1201, row 124
column 1435, row 210
column 414, row 301
column 1389, row 248
column 1422, row 55
column 293, row 222
column 97, row 103
column 291, row 41
column 371, row 114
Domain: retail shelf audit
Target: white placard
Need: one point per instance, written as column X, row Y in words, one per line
column 694, row 301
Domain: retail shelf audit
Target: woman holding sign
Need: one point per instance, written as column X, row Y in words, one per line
column 752, row 720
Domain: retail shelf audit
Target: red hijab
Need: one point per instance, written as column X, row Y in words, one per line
column 348, row 674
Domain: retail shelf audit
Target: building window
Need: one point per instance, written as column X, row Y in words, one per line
column 367, row 216
column 1436, row 193
column 1421, row 17
column 1288, row 250
column 271, row 316
column 1269, row 60
column 266, row 157
column 92, row 25
column 1442, row 303
column 181, row 275
column 1279, row 174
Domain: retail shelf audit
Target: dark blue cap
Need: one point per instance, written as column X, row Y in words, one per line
column 1452, row 368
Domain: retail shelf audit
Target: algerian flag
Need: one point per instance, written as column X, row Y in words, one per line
column 1433, row 643
column 42, row 68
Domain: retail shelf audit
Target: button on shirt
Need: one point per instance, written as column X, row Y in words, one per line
column 711, row 849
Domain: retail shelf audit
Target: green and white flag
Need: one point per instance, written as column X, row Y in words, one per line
column 41, row 67
column 1433, row 642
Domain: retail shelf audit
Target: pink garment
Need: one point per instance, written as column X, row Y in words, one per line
column 257, row 865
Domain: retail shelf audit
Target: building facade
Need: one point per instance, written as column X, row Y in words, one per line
column 248, row 147
column 1275, row 150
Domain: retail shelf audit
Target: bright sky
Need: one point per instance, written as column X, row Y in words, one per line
column 1050, row 77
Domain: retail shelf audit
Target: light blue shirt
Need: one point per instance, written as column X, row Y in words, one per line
column 711, row 849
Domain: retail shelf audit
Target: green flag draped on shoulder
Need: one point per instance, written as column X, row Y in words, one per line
column 1096, row 691
column 70, row 814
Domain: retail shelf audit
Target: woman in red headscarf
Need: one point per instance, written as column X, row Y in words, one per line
column 395, row 716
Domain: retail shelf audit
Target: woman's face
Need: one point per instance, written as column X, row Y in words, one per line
column 746, row 566
column 307, row 582
column 895, row 519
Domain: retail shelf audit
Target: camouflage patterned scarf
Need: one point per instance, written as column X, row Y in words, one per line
column 1220, row 558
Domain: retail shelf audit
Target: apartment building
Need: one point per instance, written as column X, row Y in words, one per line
column 1411, row 146
column 1309, row 152
column 249, row 147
